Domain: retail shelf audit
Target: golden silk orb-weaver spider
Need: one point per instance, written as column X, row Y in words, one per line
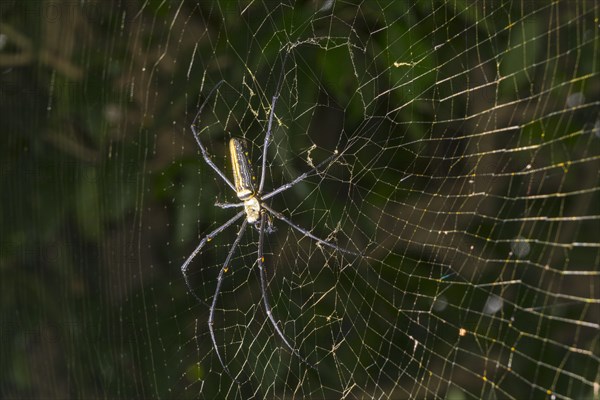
column 256, row 212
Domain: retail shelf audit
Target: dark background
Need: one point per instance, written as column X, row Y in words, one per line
column 469, row 135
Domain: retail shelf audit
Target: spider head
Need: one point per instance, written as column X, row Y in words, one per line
column 252, row 208
column 270, row 227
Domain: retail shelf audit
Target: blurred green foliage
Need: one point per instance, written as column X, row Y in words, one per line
column 104, row 190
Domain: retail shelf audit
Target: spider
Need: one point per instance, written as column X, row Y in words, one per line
column 256, row 212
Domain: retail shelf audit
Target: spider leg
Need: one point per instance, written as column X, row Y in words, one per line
column 300, row 178
column 205, row 240
column 280, row 216
column 211, row 314
column 269, row 126
column 263, row 286
column 229, row 205
column 266, row 144
column 197, row 137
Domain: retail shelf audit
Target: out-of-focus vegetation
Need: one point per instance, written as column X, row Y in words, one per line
column 101, row 178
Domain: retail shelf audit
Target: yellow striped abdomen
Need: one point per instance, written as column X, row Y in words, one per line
column 243, row 178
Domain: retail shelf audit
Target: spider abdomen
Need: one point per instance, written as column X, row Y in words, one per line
column 243, row 178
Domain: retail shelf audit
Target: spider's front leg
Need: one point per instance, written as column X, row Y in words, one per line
column 263, row 287
column 211, row 314
column 205, row 239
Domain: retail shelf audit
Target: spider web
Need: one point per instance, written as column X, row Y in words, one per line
column 465, row 154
